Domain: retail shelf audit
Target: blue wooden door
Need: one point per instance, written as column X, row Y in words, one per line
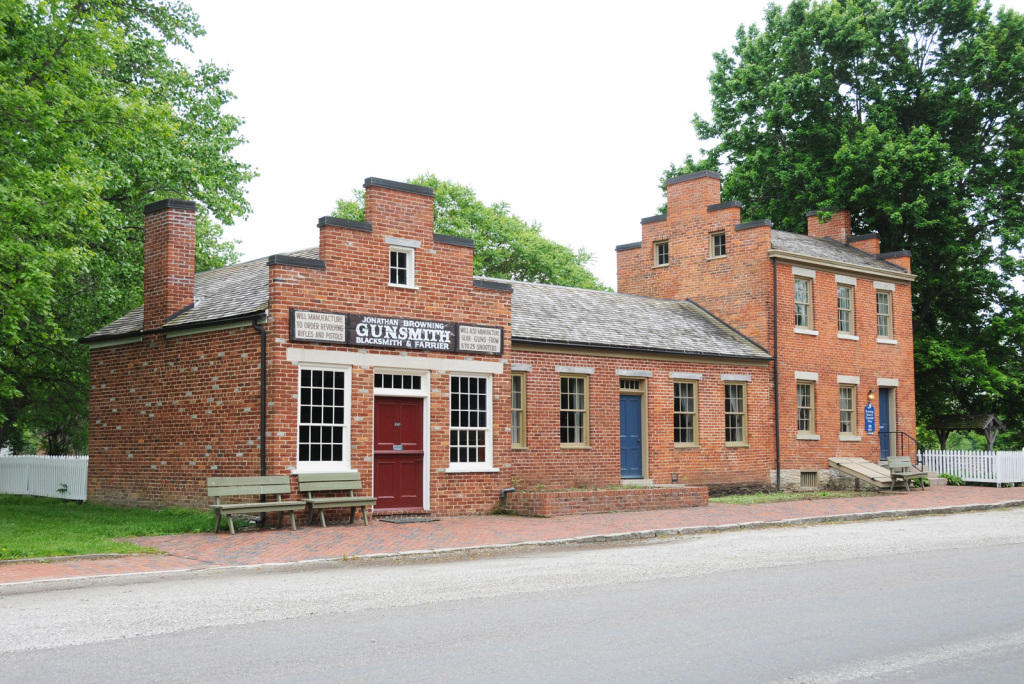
column 630, row 438
column 884, row 436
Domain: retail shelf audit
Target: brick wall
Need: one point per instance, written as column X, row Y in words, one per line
column 546, row 462
column 165, row 414
column 170, row 250
column 547, row 504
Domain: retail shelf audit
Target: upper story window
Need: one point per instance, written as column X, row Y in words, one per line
column 803, row 303
column 717, row 246
column 519, row 410
column 402, row 270
column 845, row 308
column 323, row 418
column 661, row 253
column 884, row 300
column 574, row 413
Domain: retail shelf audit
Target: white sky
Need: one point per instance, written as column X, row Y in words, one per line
column 568, row 111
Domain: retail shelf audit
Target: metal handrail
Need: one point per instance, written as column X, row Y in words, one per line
column 903, row 438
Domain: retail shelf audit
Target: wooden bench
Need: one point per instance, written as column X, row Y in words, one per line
column 333, row 482
column 218, row 487
column 902, row 470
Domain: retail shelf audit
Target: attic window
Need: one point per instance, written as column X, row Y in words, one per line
column 717, row 245
column 402, row 269
column 661, row 253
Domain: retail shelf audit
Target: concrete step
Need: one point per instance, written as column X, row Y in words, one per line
column 934, row 480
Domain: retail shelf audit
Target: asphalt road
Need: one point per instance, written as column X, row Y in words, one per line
column 937, row 599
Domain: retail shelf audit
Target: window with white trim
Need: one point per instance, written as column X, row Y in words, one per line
column 470, row 434
column 518, row 410
column 805, row 408
column 845, row 308
column 323, row 418
column 803, row 303
column 402, row 267
column 684, row 411
column 847, row 409
column 735, row 414
column 884, row 299
column 573, row 415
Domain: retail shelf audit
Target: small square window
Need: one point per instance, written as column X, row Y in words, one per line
column 717, row 245
column 401, row 267
column 661, row 253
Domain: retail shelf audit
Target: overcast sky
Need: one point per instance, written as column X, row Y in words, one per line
column 568, row 111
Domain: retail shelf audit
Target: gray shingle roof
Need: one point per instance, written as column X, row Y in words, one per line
column 823, row 248
column 223, row 293
column 575, row 317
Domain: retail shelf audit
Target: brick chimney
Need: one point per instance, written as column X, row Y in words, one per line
column 170, row 260
column 869, row 242
column 837, row 227
column 693, row 193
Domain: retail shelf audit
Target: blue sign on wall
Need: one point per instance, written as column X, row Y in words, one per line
column 869, row 419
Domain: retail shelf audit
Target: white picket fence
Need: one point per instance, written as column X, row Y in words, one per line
column 998, row 467
column 61, row 477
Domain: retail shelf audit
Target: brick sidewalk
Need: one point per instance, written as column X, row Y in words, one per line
column 257, row 547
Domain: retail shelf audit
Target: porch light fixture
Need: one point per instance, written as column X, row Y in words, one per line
column 871, row 395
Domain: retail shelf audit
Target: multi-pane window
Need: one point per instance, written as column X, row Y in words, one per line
column 401, row 272
column 802, row 302
column 661, row 253
column 684, row 409
column 573, row 413
column 519, row 410
column 884, row 299
column 323, row 416
column 805, row 407
column 847, row 409
column 469, row 441
column 397, row 381
column 718, row 244
column 845, row 296
column 735, row 413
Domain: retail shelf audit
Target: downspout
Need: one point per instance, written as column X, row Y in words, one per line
column 775, row 366
column 263, row 395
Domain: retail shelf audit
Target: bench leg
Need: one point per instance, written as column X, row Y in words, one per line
column 216, row 522
column 352, row 515
column 292, row 514
column 323, row 521
column 280, row 519
column 231, row 525
column 365, row 521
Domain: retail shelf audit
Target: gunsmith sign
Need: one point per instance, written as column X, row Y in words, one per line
column 395, row 333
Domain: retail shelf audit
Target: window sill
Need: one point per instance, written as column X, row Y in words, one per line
column 660, row 266
column 322, row 469
column 849, row 438
column 886, row 340
column 403, row 287
column 713, row 258
column 574, row 446
column 737, row 445
column 805, row 331
column 812, row 438
column 844, row 336
column 686, row 446
column 481, row 469
column 522, row 447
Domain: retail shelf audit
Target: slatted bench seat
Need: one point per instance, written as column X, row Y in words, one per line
column 217, row 487
column 309, row 483
column 902, row 470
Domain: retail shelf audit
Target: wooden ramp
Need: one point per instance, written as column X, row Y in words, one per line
column 865, row 471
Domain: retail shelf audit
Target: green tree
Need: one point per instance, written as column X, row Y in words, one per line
column 506, row 246
column 96, row 120
column 911, row 114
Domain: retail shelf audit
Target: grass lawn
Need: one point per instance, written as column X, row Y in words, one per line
column 769, row 497
column 35, row 527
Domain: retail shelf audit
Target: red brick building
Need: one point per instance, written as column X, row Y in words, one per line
column 835, row 313
column 379, row 351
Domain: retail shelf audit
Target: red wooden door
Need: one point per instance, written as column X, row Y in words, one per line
column 398, row 452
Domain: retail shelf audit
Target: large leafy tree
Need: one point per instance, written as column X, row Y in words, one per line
column 96, row 120
column 506, row 245
column 912, row 115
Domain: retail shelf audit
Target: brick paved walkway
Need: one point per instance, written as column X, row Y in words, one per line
column 256, row 547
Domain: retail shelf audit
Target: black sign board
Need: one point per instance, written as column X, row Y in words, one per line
column 390, row 332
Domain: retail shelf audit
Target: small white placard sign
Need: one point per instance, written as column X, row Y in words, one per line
column 316, row 326
column 474, row 338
